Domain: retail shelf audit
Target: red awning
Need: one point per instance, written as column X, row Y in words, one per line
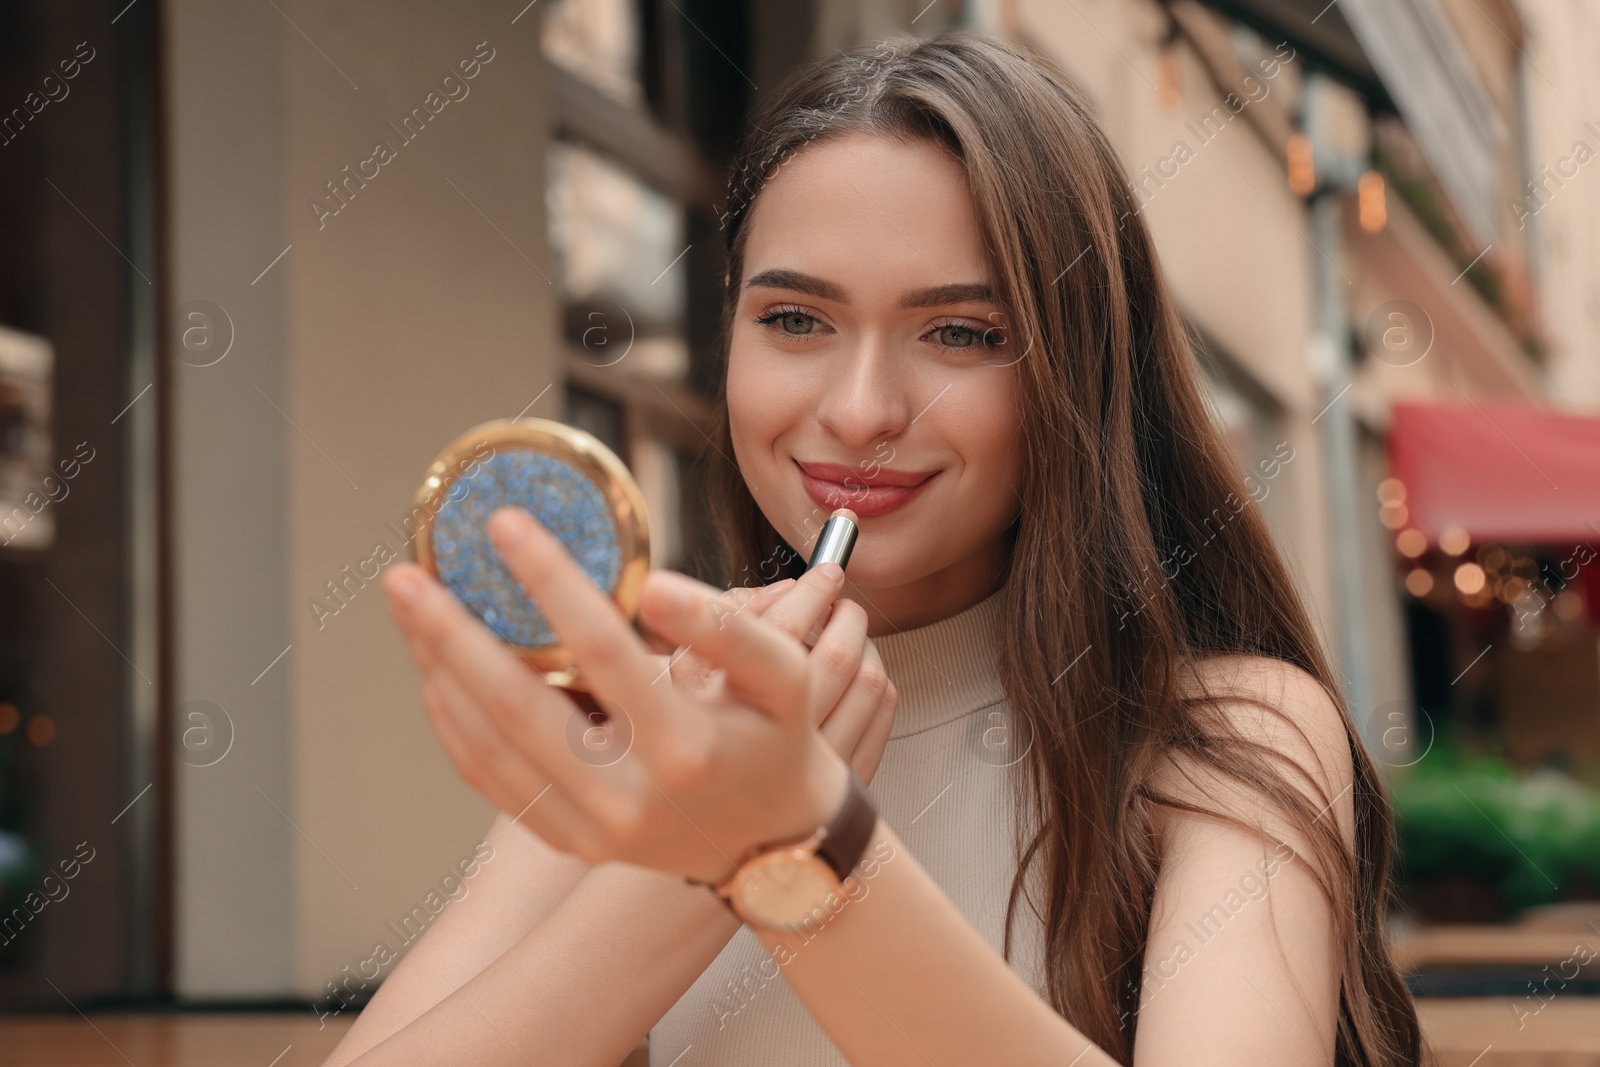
column 1502, row 472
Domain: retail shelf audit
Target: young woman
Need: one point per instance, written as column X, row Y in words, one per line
column 1123, row 815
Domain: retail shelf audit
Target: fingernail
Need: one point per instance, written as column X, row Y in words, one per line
column 833, row 571
column 776, row 588
column 508, row 527
column 403, row 587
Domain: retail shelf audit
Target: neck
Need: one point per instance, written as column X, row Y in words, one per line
column 932, row 597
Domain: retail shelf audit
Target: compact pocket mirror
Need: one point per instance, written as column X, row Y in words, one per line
column 568, row 480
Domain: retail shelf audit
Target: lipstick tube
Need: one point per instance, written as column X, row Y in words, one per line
column 837, row 539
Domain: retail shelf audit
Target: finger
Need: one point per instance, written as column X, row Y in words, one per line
column 853, row 716
column 810, row 639
column 478, row 737
column 758, row 661
column 847, row 723
column 691, row 672
column 768, row 595
column 610, row 656
column 656, row 644
column 393, row 580
column 489, row 766
column 481, row 753
column 870, row 678
column 836, row 658
column 869, row 749
column 453, row 714
column 797, row 611
column 740, row 598
column 525, row 710
column 752, row 599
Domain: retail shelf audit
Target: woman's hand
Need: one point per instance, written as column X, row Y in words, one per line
column 858, row 725
column 707, row 774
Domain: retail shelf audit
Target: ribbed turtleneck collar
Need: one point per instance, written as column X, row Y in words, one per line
column 946, row 669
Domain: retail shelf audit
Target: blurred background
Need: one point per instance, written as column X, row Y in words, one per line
column 261, row 259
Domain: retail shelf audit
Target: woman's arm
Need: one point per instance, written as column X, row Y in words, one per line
column 521, row 884
column 896, row 976
column 583, row 987
column 706, row 776
column 503, row 985
column 1242, row 965
column 899, row 977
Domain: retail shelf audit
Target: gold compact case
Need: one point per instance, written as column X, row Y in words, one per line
column 568, row 480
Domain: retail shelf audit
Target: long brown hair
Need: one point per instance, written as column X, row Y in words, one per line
column 1123, row 471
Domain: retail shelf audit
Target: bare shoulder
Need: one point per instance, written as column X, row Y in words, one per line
column 1277, row 709
column 1253, row 889
column 1274, row 702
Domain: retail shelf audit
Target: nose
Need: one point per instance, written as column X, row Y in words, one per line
column 866, row 396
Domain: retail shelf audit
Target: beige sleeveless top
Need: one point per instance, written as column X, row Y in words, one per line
column 946, row 788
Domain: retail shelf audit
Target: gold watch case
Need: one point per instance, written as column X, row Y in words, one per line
column 782, row 888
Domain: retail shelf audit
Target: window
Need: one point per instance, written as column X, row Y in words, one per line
column 615, row 241
column 597, row 40
column 629, row 203
column 1251, row 424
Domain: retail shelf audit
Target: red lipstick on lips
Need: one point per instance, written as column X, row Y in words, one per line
column 833, row 485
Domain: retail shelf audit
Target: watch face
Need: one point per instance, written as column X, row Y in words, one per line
column 785, row 889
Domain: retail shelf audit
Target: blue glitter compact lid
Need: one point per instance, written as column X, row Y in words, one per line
column 568, row 480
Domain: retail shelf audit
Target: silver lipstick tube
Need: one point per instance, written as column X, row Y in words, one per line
column 837, row 539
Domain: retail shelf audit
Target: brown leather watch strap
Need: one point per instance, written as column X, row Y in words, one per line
column 844, row 838
column 850, row 830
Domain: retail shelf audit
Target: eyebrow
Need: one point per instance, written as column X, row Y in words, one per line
column 955, row 293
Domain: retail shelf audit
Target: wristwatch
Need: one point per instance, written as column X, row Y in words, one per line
column 783, row 885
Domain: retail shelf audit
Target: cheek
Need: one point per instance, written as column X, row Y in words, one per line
column 757, row 418
column 989, row 433
column 747, row 419
column 766, row 399
column 993, row 427
column 764, row 405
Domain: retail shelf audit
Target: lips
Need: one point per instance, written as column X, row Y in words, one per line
column 832, row 485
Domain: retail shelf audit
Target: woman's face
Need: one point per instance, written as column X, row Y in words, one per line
column 870, row 368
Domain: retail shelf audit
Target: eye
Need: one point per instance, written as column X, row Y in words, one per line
column 953, row 334
column 791, row 322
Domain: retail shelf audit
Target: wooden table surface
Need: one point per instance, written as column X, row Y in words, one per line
column 1445, row 946
column 170, row 1039
column 1489, row 1032
column 1463, row 1032
column 246, row 1039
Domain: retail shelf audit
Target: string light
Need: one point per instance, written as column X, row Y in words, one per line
column 1454, row 541
column 1470, row 579
column 1419, row 582
column 1411, row 543
column 40, row 731
column 1370, row 204
column 1302, row 171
